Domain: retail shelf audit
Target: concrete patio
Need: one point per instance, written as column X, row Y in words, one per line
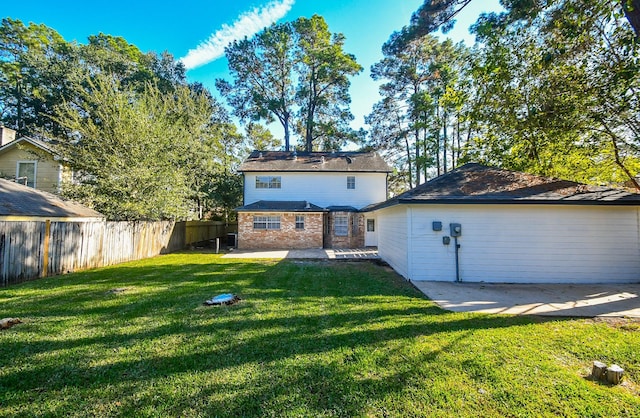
column 571, row 300
column 314, row 253
column 583, row 300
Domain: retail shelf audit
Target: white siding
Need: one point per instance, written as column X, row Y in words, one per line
column 526, row 243
column 322, row 189
column 392, row 238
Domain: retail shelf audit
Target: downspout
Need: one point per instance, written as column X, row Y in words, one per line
column 386, row 186
column 455, row 241
column 409, row 243
column 60, row 179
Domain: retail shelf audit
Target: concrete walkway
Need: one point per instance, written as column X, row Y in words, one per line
column 618, row 300
column 315, row 253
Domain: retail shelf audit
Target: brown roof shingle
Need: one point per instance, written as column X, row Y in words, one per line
column 476, row 183
column 19, row 200
column 263, row 161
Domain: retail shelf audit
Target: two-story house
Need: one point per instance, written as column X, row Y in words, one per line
column 310, row 199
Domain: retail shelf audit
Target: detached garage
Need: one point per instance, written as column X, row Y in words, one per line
column 482, row 224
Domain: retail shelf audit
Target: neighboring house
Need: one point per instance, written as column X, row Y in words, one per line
column 22, row 203
column 31, row 162
column 310, row 200
column 512, row 227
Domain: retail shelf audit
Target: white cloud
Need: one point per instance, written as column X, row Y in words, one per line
column 248, row 24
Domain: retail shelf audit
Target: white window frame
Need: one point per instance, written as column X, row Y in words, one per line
column 35, row 170
column 300, row 222
column 341, row 225
column 262, row 222
column 268, row 182
column 371, row 225
column 351, row 182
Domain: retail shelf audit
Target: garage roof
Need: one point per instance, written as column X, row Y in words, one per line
column 22, row 201
column 475, row 183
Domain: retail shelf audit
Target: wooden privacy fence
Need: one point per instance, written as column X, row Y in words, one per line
column 30, row 249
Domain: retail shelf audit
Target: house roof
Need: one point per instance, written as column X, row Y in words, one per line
column 43, row 145
column 19, row 200
column 342, row 209
column 315, row 161
column 281, row 206
column 479, row 184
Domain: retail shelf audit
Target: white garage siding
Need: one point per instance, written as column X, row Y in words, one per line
column 521, row 243
column 392, row 238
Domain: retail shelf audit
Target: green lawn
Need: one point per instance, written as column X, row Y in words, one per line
column 308, row 339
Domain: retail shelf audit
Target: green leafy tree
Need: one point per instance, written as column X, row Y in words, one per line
column 434, row 15
column 36, row 64
column 323, row 88
column 140, row 155
column 421, row 90
column 295, row 73
column 557, row 91
column 258, row 137
column 263, row 78
column 38, row 69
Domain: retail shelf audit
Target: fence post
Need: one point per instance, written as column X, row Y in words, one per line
column 45, row 250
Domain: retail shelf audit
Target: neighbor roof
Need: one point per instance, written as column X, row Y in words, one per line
column 476, row 183
column 19, row 200
column 281, row 206
column 315, row 161
column 43, row 145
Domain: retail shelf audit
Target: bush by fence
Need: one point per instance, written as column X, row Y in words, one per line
column 43, row 248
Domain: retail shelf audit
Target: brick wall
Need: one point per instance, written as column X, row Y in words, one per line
column 287, row 237
column 355, row 234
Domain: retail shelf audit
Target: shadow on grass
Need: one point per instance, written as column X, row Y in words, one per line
column 316, row 336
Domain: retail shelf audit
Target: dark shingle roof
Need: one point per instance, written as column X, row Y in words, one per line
column 475, row 183
column 280, row 206
column 315, row 161
column 19, row 200
column 342, row 209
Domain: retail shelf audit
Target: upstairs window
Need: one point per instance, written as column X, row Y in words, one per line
column 341, row 225
column 268, row 182
column 299, row 221
column 351, row 182
column 26, row 173
column 266, row 222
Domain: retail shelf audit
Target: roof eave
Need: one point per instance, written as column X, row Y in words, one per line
column 571, row 202
column 243, row 209
column 240, row 170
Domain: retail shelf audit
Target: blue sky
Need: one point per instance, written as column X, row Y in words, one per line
column 179, row 27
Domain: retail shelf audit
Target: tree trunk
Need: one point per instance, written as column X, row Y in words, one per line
column 408, row 148
column 437, row 132
column 285, row 125
column 19, row 124
column 632, row 12
column 458, row 140
column 614, row 374
column 444, row 141
column 418, row 165
column 598, row 371
column 425, row 152
column 619, row 163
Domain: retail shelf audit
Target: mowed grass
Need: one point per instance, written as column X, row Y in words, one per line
column 308, row 339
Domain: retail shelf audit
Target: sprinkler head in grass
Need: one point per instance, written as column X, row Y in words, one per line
column 223, row 299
